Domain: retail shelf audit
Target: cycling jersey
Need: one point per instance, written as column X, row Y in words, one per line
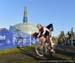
column 44, row 31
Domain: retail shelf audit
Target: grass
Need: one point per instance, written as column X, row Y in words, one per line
column 15, row 50
column 23, row 60
column 9, row 51
column 61, row 56
column 13, row 55
column 68, row 48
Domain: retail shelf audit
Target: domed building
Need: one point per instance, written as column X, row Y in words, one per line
column 24, row 29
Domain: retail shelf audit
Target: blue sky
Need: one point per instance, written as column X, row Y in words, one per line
column 59, row 12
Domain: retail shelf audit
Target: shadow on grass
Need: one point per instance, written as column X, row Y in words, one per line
column 67, row 53
column 49, row 56
column 28, row 53
column 33, row 54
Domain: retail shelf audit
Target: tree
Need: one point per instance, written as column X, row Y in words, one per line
column 70, row 34
column 61, row 37
column 55, row 39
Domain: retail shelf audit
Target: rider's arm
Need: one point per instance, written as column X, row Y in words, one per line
column 38, row 35
column 45, row 29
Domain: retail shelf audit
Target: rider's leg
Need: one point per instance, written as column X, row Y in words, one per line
column 52, row 45
column 42, row 39
column 49, row 44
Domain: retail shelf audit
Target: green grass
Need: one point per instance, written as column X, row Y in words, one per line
column 61, row 56
column 24, row 60
column 70, row 49
column 14, row 55
column 18, row 57
column 16, row 50
column 9, row 51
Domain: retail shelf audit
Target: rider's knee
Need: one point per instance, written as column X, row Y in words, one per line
column 50, row 38
column 42, row 39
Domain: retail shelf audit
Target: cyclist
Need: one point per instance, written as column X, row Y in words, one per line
column 45, row 33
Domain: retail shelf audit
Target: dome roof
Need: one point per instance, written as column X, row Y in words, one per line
column 26, row 27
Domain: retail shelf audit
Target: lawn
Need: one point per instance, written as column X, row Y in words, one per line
column 27, row 55
column 14, row 55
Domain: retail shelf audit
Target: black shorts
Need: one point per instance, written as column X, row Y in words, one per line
column 45, row 35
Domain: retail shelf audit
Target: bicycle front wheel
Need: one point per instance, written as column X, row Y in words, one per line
column 40, row 50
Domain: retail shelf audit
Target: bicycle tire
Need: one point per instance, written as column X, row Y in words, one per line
column 40, row 49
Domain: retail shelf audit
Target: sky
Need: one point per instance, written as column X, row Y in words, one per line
column 59, row 12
